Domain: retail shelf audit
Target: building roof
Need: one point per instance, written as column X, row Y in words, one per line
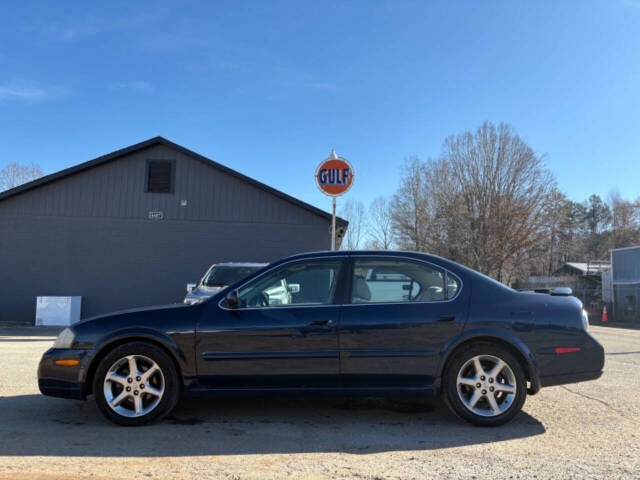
column 150, row 143
column 625, row 248
column 587, row 267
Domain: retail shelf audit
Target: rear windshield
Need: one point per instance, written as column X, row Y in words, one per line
column 223, row 275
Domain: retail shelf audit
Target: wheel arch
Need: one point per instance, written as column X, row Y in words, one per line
column 108, row 345
column 519, row 349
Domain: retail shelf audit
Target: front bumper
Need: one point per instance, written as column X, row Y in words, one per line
column 63, row 381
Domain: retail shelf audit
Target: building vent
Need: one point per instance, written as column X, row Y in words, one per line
column 160, row 176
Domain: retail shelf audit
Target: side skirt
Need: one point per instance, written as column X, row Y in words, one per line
column 197, row 391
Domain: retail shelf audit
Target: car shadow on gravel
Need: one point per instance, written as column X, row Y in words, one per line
column 39, row 425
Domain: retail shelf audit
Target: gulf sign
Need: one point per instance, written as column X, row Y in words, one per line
column 335, row 176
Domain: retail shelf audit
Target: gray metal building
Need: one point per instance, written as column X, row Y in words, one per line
column 625, row 284
column 131, row 228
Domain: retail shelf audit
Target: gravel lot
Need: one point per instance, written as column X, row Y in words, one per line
column 587, row 430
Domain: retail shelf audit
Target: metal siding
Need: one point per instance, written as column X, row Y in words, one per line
column 606, row 285
column 627, row 303
column 116, row 189
column 625, row 265
column 89, row 234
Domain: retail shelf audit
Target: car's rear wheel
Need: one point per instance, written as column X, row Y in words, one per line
column 135, row 384
column 485, row 384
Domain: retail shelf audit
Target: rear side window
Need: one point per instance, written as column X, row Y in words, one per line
column 390, row 281
column 453, row 285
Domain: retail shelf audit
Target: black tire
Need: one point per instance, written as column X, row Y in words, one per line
column 450, row 384
column 170, row 381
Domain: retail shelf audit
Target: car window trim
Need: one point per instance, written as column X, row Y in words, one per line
column 353, row 259
column 342, row 261
column 348, row 261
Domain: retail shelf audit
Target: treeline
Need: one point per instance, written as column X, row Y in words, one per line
column 489, row 202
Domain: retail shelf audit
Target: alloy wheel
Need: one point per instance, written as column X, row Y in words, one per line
column 134, row 386
column 486, row 385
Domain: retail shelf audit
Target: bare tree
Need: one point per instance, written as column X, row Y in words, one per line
column 409, row 207
column 560, row 226
column 354, row 212
column 481, row 203
column 380, row 224
column 495, row 187
column 15, row 174
column 625, row 221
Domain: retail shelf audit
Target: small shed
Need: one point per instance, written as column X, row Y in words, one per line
column 585, row 279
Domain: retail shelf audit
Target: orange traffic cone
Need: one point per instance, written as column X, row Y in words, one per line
column 605, row 317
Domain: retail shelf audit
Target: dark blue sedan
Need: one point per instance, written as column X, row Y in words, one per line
column 351, row 323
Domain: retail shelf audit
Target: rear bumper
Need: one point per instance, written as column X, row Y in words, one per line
column 62, row 381
column 585, row 364
column 552, row 380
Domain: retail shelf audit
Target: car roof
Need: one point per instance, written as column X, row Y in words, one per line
column 342, row 253
column 386, row 253
column 239, row 264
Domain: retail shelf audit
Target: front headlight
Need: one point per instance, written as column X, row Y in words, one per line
column 585, row 320
column 65, row 339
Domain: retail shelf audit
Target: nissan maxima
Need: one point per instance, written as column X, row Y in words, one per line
column 350, row 323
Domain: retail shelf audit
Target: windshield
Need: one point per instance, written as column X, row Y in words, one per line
column 224, row 275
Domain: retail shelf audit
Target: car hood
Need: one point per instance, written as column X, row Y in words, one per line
column 129, row 311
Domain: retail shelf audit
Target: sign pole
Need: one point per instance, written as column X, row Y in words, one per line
column 333, row 226
column 334, row 176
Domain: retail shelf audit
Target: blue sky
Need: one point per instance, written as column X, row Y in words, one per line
column 268, row 88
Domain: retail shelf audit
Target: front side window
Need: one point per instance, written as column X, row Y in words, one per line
column 300, row 283
column 388, row 281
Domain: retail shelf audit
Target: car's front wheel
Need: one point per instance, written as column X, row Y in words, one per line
column 135, row 384
column 485, row 384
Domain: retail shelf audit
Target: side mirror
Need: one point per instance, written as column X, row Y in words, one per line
column 293, row 288
column 191, row 287
column 231, row 300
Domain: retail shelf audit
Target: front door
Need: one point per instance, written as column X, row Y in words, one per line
column 283, row 332
column 401, row 313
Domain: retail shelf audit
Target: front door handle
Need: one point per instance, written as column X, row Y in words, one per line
column 321, row 322
column 446, row 318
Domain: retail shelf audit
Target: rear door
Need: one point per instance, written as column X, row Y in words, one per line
column 399, row 314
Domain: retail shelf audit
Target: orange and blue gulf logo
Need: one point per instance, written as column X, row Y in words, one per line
column 335, row 176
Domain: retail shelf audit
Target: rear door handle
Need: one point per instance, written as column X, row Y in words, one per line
column 322, row 322
column 446, row 318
